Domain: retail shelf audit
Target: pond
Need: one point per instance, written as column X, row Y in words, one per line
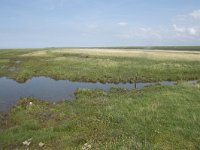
column 48, row 89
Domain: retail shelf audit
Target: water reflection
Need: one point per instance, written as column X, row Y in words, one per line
column 51, row 90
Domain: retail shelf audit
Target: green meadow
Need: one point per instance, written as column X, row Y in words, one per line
column 104, row 65
column 155, row 117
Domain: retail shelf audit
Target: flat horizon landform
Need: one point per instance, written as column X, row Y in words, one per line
column 155, row 117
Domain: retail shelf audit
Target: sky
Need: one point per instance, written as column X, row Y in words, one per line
column 98, row 23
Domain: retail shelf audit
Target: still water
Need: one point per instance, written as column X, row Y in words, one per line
column 48, row 89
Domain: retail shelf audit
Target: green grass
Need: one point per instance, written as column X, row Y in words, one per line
column 84, row 67
column 157, row 117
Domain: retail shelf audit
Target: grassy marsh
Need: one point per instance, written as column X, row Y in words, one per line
column 156, row 117
column 104, row 65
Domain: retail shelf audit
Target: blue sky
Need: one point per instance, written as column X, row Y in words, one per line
column 66, row 23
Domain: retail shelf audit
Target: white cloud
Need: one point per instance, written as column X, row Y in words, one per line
column 193, row 31
column 141, row 33
column 187, row 26
column 186, row 31
column 122, row 23
column 179, row 29
column 195, row 14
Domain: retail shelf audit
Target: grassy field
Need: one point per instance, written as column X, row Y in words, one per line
column 177, row 48
column 156, row 117
column 104, row 65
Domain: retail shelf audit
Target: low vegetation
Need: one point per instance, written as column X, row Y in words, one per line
column 104, row 65
column 155, row 117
